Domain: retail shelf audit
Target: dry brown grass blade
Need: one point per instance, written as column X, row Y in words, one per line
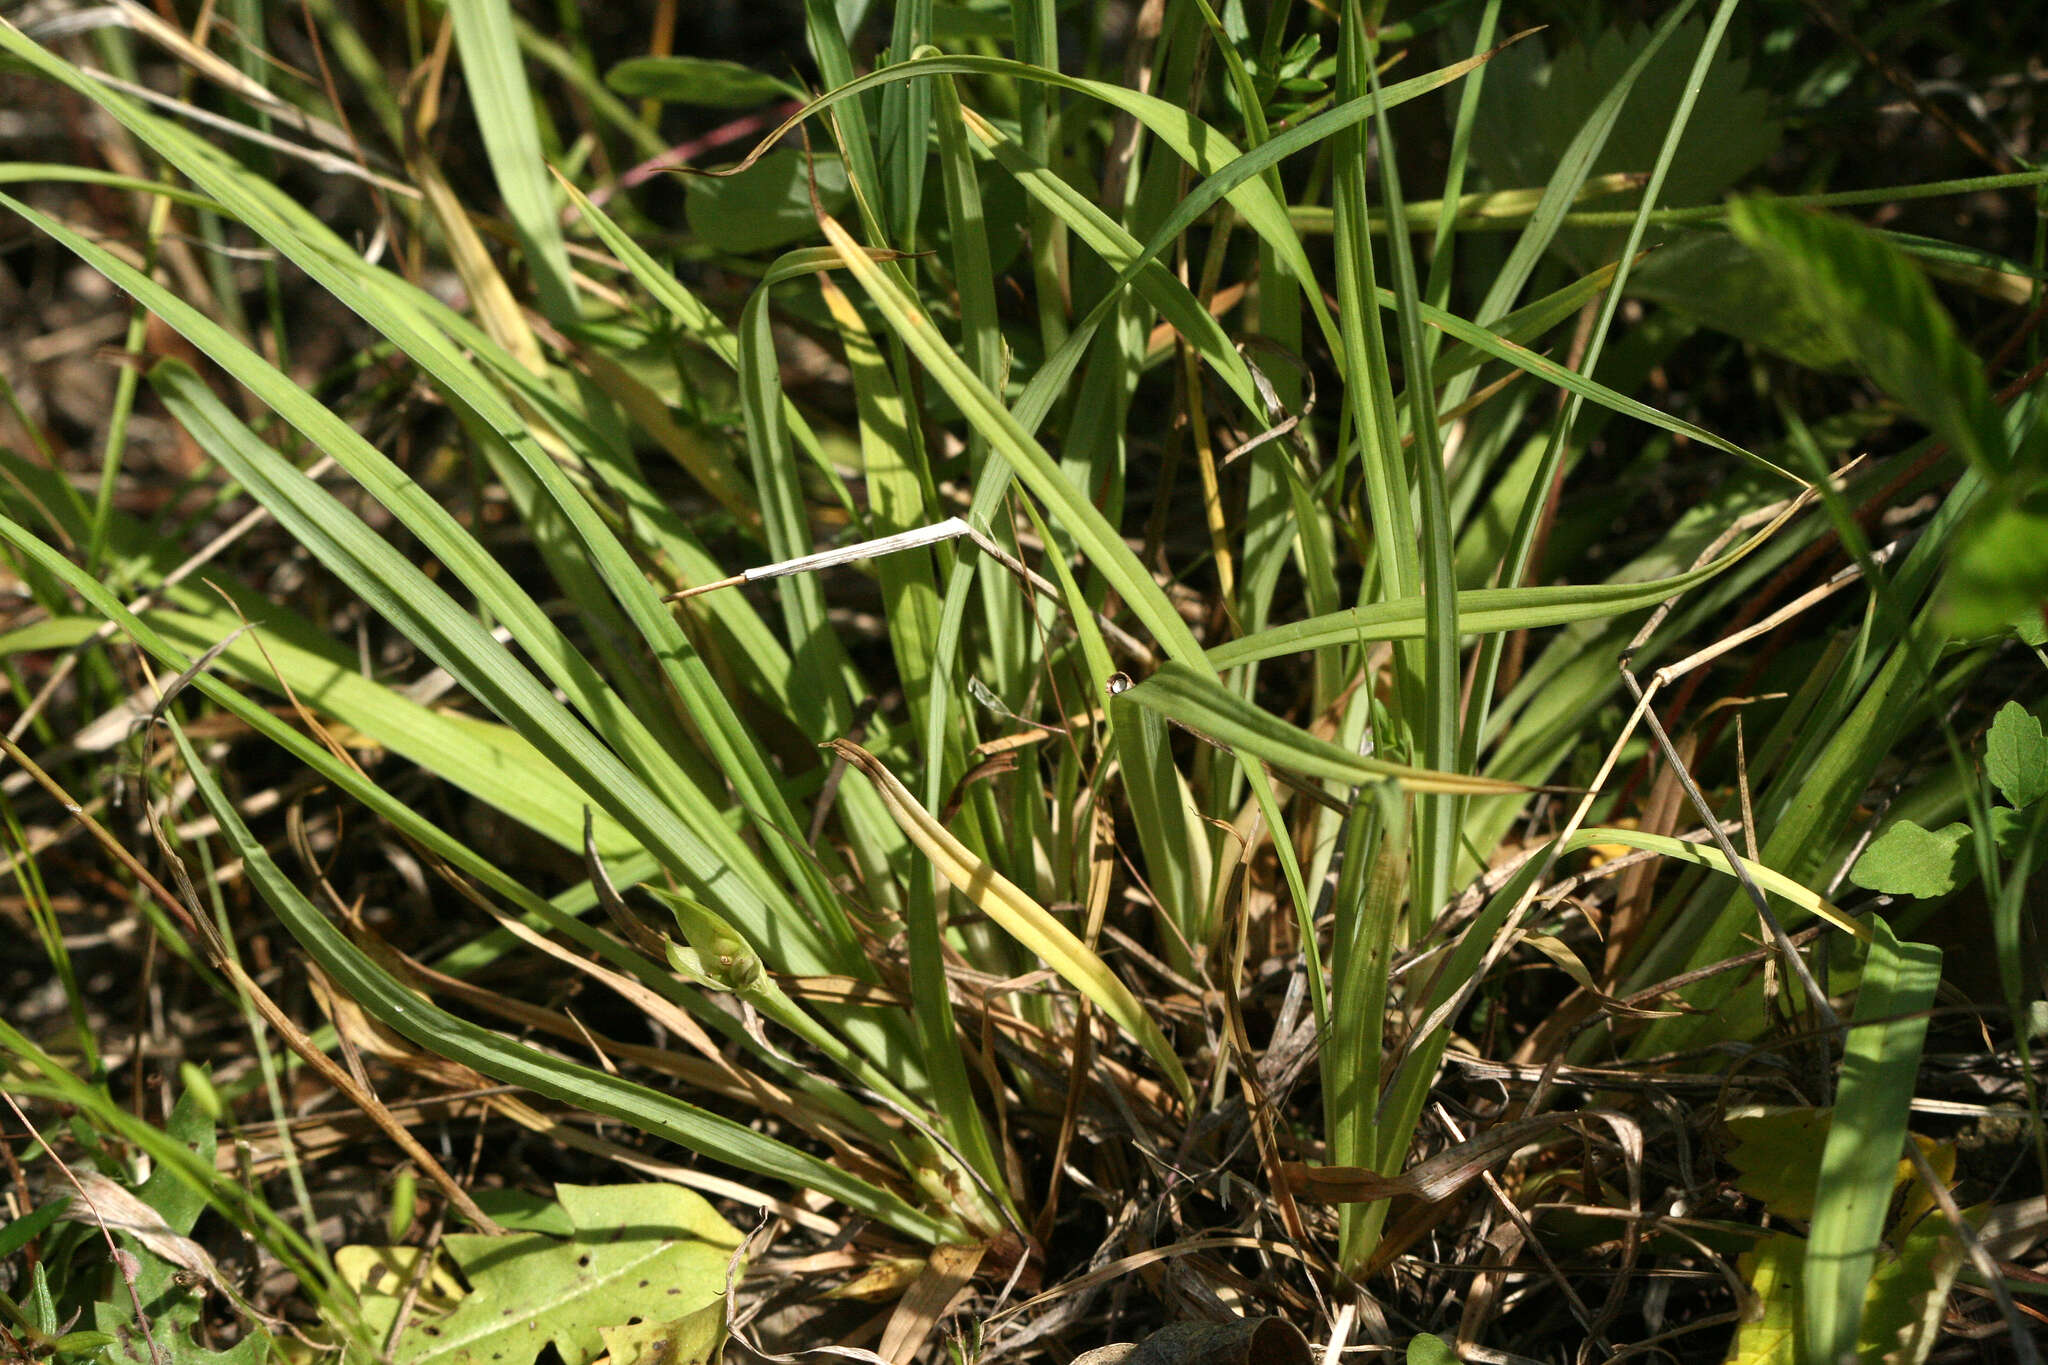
column 947, row 1272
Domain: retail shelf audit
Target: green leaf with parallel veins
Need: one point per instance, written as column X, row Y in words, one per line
column 1907, row 860
column 1860, row 1165
column 1877, row 305
column 1772, row 1272
column 1718, row 282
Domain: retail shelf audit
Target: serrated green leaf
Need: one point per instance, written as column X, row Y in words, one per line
column 1907, row 860
column 173, row 1315
column 1534, row 106
column 699, row 81
column 1777, row 1158
column 2016, row 756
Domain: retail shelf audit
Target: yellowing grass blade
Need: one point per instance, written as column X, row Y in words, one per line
column 1706, row 855
column 1018, row 915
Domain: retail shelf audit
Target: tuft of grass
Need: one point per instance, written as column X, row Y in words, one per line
column 1027, row 694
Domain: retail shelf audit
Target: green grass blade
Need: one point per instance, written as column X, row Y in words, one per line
column 1024, row 919
column 1437, row 817
column 1363, row 362
column 1859, row 1166
column 1101, row 233
column 396, row 311
column 906, row 125
column 1481, row 611
column 505, row 116
column 1191, row 696
column 984, row 411
column 1882, row 310
column 390, row 308
column 444, row 1034
column 397, row 589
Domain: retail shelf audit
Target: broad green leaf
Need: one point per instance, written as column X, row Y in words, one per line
column 174, row 1317
column 1907, row 860
column 2016, row 756
column 651, row 1253
column 378, row 1277
column 1879, row 307
column 767, row 205
column 1715, row 279
column 690, row 1340
column 1880, row 1064
column 164, row 1278
column 1427, row 1349
column 1769, row 1333
column 1902, row 1304
column 517, row 1210
column 700, row 81
column 1777, row 1157
column 1902, row 1314
column 1999, row 573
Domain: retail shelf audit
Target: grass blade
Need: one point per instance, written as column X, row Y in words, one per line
column 1859, row 1166
column 446, row 1035
column 1021, row 917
